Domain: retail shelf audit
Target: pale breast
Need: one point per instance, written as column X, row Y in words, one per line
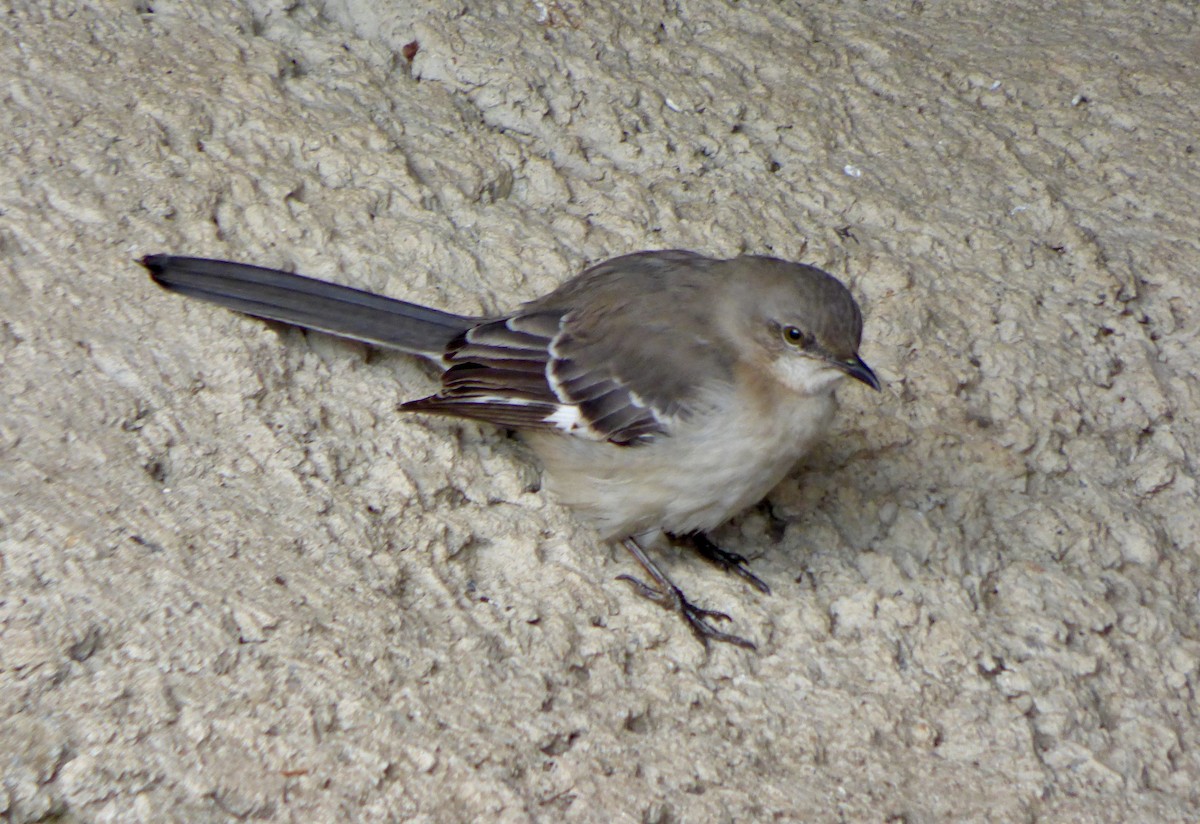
column 708, row 470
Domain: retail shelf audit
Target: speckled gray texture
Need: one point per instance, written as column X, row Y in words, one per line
column 234, row 583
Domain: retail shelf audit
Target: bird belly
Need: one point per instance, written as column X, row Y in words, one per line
column 695, row 479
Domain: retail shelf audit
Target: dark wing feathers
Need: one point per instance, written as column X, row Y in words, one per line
column 504, row 372
column 605, row 402
column 499, row 412
column 602, row 357
column 496, row 372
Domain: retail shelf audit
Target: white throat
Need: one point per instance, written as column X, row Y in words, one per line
column 805, row 375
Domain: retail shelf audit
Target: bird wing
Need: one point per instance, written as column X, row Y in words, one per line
column 512, row 372
column 549, row 369
column 620, row 353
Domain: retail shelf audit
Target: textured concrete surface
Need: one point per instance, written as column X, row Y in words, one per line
column 234, row 583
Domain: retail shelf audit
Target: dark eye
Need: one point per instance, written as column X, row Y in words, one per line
column 794, row 335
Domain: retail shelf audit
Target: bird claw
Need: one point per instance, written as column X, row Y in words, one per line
column 728, row 561
column 697, row 618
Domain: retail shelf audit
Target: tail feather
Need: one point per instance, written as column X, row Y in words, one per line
column 313, row 304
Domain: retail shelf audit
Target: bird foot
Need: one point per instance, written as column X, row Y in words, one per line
column 728, row 561
column 697, row 618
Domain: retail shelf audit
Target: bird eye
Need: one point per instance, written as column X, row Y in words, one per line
column 794, row 335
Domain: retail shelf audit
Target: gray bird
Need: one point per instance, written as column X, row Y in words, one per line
column 664, row 392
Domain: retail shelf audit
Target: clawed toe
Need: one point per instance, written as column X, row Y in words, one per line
column 697, row 618
column 643, row 589
column 728, row 561
column 671, row 597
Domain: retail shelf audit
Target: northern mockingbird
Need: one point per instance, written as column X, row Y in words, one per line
column 663, row 391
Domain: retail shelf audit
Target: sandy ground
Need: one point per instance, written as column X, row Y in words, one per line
column 234, row 583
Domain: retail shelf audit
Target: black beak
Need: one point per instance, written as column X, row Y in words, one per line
column 858, row 370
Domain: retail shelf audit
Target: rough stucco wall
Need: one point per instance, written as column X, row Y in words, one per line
column 234, row 583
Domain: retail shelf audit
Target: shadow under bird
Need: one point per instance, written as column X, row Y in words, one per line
column 664, row 392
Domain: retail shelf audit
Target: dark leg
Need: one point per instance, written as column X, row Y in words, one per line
column 670, row 596
column 728, row 561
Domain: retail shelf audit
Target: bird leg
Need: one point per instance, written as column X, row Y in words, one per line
column 667, row 595
column 728, row 561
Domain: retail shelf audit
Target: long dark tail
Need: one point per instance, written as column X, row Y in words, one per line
column 314, row 304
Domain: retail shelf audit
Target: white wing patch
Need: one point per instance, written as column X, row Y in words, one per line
column 568, row 418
